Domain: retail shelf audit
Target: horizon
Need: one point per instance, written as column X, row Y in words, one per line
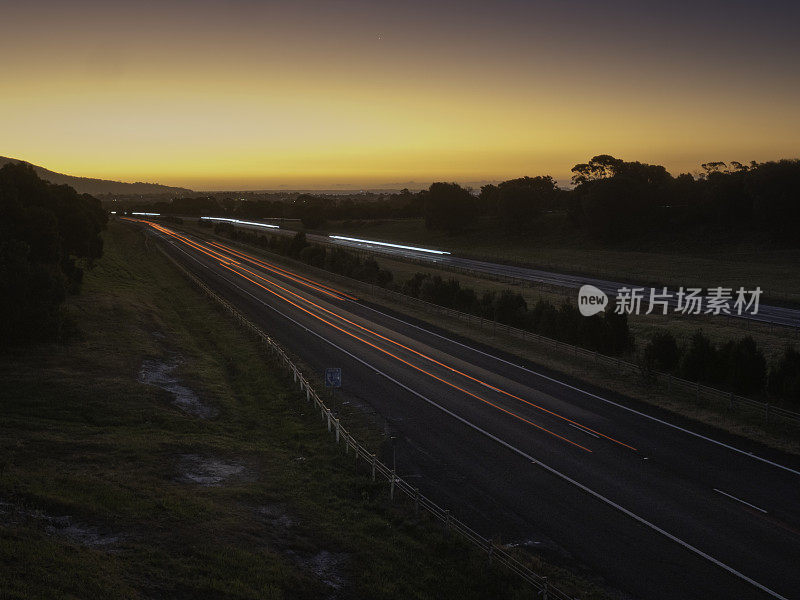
column 239, row 95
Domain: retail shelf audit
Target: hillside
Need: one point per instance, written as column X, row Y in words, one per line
column 96, row 187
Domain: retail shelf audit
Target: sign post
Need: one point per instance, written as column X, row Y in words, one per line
column 333, row 380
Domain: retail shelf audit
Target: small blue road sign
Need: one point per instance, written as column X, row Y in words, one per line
column 333, row 377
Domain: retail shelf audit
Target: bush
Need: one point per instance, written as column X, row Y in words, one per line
column 744, row 365
column 662, row 352
column 701, row 360
column 784, row 378
column 44, row 230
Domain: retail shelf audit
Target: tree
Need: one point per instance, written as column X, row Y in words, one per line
column 45, row 230
column 662, row 352
column 784, row 378
column 744, row 365
column 701, row 361
column 448, row 207
column 519, row 201
column 311, row 210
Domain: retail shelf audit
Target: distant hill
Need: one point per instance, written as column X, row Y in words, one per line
column 99, row 187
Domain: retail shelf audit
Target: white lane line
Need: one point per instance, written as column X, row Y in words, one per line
column 505, row 444
column 740, row 500
column 590, row 394
column 584, row 431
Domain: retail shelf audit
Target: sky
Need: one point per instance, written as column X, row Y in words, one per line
column 242, row 94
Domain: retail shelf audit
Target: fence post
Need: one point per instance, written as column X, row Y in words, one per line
column 373, row 467
column 329, row 418
column 337, row 432
column 544, row 589
column 391, row 488
column 416, row 502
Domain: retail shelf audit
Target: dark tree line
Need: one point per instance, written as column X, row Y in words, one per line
column 606, row 333
column 613, row 200
column 736, row 365
column 616, row 200
column 336, row 260
column 45, row 230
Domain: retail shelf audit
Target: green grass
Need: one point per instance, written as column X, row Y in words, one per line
column 81, row 437
column 772, row 340
column 551, row 244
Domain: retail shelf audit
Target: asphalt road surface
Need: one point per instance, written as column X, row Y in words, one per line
column 659, row 507
column 779, row 315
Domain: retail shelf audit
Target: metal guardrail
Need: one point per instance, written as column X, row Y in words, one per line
column 545, row 590
column 722, row 399
column 550, row 288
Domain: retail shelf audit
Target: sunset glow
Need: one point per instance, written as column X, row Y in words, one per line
column 250, row 95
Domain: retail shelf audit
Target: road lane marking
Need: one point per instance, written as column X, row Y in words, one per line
column 433, row 360
column 583, row 430
column 739, row 500
column 590, row 394
column 514, row 449
column 451, row 369
column 405, row 362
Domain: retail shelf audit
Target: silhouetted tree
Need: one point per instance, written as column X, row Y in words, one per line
column 45, row 230
column 448, row 207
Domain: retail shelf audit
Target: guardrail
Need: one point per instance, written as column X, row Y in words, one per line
column 722, row 399
column 551, row 288
column 545, row 590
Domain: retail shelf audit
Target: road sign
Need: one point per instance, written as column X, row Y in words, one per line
column 333, row 377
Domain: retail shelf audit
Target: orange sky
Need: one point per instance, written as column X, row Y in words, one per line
column 250, row 95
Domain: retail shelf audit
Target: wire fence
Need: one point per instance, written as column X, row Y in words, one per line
column 703, row 394
column 363, row 457
column 542, row 286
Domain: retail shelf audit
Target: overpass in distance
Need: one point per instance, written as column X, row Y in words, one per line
column 660, row 507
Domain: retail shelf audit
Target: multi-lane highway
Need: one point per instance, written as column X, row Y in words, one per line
column 656, row 507
column 778, row 315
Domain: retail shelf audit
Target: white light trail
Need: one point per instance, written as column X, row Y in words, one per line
column 147, row 214
column 238, row 222
column 388, row 245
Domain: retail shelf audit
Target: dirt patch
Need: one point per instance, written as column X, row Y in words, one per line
column 327, row 566
column 159, row 373
column 275, row 515
column 62, row 526
column 210, row 471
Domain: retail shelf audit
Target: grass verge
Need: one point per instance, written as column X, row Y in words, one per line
column 217, row 486
column 781, row 436
column 552, row 245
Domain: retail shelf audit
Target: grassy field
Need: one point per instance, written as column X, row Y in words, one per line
column 772, row 340
column 156, row 457
column 552, row 245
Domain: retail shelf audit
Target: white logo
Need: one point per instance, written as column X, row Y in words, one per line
column 591, row 300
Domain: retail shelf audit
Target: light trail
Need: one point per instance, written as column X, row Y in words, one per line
column 387, row 244
column 291, row 275
column 238, row 222
column 405, row 362
column 441, row 364
column 225, row 262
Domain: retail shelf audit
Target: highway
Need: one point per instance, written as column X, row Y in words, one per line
column 658, row 507
column 778, row 315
